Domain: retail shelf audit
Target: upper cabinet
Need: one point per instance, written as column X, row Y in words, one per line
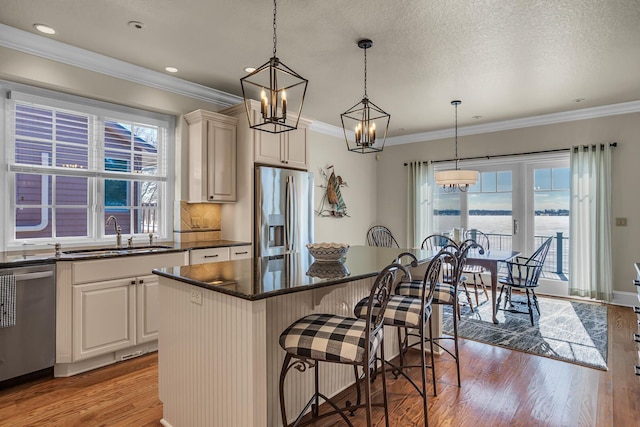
column 287, row 149
column 212, row 157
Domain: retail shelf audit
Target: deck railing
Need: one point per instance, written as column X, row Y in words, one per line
column 557, row 261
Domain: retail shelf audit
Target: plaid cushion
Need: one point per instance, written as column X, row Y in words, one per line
column 401, row 311
column 328, row 337
column 444, row 293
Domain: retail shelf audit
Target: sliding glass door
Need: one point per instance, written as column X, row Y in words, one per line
column 517, row 201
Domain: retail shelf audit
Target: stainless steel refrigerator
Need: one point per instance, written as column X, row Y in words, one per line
column 284, row 211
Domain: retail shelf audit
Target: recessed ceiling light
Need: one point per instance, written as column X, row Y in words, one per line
column 249, row 69
column 476, row 117
column 171, row 69
column 578, row 100
column 136, row 24
column 44, row 29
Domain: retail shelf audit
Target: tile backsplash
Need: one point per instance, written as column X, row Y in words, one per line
column 197, row 222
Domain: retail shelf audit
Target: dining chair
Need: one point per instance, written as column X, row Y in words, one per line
column 408, row 312
column 476, row 271
column 338, row 339
column 524, row 273
column 381, row 236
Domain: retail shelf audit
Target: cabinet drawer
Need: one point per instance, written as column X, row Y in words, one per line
column 202, row 256
column 239, row 252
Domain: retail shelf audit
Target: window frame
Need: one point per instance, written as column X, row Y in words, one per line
column 100, row 112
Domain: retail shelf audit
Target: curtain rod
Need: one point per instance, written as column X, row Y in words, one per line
column 612, row 144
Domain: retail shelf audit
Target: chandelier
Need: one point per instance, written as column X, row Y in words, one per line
column 281, row 92
column 365, row 124
column 457, row 179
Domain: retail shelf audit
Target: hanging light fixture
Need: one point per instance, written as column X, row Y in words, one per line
column 365, row 124
column 281, row 92
column 456, row 179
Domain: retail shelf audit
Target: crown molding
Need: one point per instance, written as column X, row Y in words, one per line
column 44, row 47
column 327, row 129
column 546, row 119
column 24, row 41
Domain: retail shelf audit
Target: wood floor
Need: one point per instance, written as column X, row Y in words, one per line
column 499, row 388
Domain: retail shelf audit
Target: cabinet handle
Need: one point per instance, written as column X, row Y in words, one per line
column 636, row 338
column 636, row 310
column 636, row 282
column 210, row 197
column 242, row 253
column 636, row 369
column 133, row 282
column 141, row 281
column 212, row 256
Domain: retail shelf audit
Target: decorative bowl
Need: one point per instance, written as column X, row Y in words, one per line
column 324, row 252
column 328, row 270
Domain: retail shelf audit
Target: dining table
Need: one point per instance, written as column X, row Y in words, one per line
column 490, row 260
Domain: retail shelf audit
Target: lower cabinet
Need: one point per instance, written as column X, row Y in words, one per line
column 107, row 310
column 114, row 315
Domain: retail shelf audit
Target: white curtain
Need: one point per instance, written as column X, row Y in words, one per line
column 419, row 202
column 590, row 223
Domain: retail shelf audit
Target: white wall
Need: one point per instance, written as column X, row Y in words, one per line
column 359, row 171
column 625, row 198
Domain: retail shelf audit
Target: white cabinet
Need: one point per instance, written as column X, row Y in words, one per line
column 147, row 313
column 284, row 149
column 212, row 157
column 103, row 317
column 203, row 256
column 240, row 252
column 107, row 309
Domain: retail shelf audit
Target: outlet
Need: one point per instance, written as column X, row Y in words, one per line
column 196, row 297
column 621, row 222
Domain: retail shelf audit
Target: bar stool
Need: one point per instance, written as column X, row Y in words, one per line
column 407, row 312
column 445, row 293
column 337, row 339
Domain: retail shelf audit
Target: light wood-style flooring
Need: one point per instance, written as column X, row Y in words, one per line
column 500, row 387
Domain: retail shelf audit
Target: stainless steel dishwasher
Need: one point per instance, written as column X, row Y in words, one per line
column 28, row 346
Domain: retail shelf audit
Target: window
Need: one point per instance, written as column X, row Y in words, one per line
column 72, row 163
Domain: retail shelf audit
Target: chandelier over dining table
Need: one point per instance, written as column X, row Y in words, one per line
column 456, row 179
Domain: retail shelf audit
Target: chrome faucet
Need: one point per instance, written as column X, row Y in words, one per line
column 116, row 228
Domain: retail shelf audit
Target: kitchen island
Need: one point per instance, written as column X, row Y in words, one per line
column 219, row 357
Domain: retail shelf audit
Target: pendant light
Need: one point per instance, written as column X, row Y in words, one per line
column 456, row 179
column 281, row 92
column 365, row 124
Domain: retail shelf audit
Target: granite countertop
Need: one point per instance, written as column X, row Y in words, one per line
column 258, row 278
column 35, row 257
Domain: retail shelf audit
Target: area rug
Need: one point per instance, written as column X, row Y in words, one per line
column 566, row 330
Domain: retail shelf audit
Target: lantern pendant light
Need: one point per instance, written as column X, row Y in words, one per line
column 281, row 92
column 456, row 179
column 365, row 124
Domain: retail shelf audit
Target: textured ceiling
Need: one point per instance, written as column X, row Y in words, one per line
column 503, row 59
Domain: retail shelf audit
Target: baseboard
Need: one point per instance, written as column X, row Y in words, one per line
column 627, row 299
column 75, row 368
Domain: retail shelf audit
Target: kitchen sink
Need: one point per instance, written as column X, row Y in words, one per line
column 117, row 251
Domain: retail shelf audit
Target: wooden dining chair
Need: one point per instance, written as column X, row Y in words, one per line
column 524, row 273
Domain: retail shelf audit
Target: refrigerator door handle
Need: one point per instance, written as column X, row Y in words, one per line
column 289, row 214
column 294, row 214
